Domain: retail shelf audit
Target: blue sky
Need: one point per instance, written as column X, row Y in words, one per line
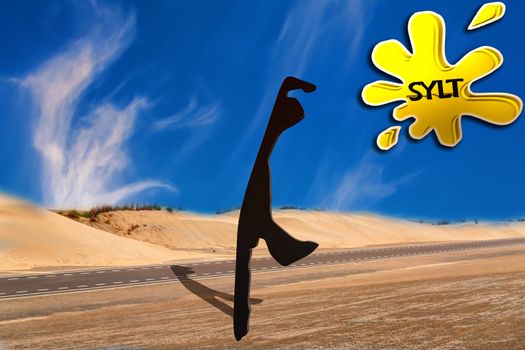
column 166, row 102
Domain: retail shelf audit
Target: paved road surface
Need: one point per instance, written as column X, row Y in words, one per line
column 20, row 286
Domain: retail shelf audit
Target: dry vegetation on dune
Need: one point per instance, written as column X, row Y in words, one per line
column 176, row 230
column 95, row 211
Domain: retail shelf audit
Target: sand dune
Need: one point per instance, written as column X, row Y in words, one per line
column 34, row 238
column 182, row 230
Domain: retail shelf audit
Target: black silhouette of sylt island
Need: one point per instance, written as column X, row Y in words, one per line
column 255, row 220
column 209, row 295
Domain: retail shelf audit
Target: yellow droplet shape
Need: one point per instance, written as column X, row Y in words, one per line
column 488, row 13
column 388, row 138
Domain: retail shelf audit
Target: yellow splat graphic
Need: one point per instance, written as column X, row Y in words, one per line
column 388, row 138
column 434, row 92
column 488, row 13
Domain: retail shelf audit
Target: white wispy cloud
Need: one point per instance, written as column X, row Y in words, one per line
column 358, row 17
column 191, row 117
column 198, row 121
column 80, row 166
column 364, row 185
column 311, row 24
column 308, row 26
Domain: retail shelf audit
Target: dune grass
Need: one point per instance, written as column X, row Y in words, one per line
column 96, row 210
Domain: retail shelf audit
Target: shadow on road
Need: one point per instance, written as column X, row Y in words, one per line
column 205, row 293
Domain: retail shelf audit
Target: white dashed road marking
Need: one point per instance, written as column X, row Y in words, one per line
column 24, row 282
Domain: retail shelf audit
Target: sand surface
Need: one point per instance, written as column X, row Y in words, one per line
column 182, row 230
column 32, row 238
column 462, row 300
column 36, row 239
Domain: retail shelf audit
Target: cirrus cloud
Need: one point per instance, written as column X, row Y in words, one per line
column 80, row 165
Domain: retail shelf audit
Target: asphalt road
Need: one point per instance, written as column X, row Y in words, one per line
column 20, row 286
